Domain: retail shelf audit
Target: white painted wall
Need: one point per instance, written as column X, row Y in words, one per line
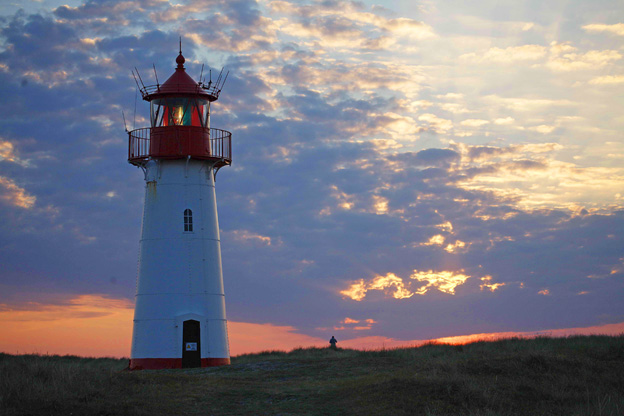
column 180, row 275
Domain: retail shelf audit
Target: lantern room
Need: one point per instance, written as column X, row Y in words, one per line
column 180, row 121
column 180, row 111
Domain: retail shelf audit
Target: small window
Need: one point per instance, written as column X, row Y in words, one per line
column 188, row 220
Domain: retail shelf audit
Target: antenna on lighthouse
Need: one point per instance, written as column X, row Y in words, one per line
column 156, row 76
column 136, row 94
column 216, row 87
column 135, row 80
column 223, row 84
column 141, row 87
column 139, row 75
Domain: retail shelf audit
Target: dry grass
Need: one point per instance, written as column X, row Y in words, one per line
column 543, row 376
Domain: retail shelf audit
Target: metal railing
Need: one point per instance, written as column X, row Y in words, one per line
column 174, row 142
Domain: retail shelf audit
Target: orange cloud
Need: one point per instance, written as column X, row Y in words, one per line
column 444, row 281
column 356, row 325
column 8, row 153
column 379, row 342
column 89, row 325
column 15, row 195
column 248, row 338
column 247, row 236
column 487, row 284
column 436, row 240
column 391, row 284
column 452, row 248
column 609, row 329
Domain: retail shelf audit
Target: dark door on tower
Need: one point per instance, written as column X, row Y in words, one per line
column 191, row 352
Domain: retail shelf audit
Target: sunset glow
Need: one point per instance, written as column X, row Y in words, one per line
column 97, row 326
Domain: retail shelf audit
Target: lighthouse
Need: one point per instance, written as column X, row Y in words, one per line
column 179, row 317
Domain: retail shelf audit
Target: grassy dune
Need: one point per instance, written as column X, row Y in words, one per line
column 543, row 376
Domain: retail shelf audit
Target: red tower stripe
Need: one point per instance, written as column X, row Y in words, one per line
column 165, row 363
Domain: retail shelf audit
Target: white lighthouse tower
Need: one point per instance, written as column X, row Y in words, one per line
column 179, row 317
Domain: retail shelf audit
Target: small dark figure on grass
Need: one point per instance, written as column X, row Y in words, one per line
column 332, row 343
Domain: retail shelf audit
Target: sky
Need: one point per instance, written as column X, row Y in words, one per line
column 402, row 171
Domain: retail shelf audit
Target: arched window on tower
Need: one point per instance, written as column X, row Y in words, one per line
column 188, row 220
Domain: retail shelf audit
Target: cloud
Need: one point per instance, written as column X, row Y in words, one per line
column 247, row 236
column 343, row 24
column 474, row 122
column 391, row 284
column 564, row 58
column 380, row 205
column 504, row 120
column 482, row 153
column 8, row 153
column 444, row 281
column 556, row 56
column 437, row 124
column 531, row 182
column 488, row 285
column 427, row 157
column 607, row 80
column 87, row 325
column 521, row 104
column 510, row 54
column 458, row 245
column 436, row 240
column 544, row 129
column 608, row 329
column 616, row 29
column 355, row 324
column 14, row 195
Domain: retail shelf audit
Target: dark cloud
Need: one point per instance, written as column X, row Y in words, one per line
column 428, row 157
column 243, row 12
column 477, row 152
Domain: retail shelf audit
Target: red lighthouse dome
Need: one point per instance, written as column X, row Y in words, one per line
column 180, row 122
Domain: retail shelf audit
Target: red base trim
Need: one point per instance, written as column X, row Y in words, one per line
column 164, row 363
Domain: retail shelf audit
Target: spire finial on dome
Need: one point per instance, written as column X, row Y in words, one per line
column 180, row 59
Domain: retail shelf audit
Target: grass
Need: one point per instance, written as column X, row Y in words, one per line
column 544, row 376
